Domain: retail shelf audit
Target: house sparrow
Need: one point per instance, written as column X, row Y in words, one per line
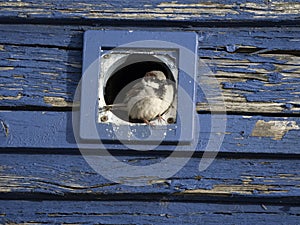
column 148, row 99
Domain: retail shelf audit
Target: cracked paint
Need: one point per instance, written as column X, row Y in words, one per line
column 274, row 129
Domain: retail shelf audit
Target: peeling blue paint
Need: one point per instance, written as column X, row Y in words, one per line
column 54, row 130
column 231, row 48
column 146, row 212
column 274, row 77
column 45, row 60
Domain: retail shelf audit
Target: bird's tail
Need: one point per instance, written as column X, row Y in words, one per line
column 117, row 106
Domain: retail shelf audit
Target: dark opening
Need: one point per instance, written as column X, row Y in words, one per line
column 125, row 77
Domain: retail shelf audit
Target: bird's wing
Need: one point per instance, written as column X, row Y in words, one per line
column 134, row 91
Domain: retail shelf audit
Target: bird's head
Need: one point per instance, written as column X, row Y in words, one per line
column 157, row 74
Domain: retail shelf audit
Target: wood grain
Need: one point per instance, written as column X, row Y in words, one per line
column 69, row 177
column 252, row 48
column 144, row 212
column 157, row 10
column 257, row 68
column 243, row 134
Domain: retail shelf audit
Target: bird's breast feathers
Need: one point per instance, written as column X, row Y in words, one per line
column 151, row 100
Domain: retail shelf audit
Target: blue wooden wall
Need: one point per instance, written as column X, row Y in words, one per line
column 253, row 48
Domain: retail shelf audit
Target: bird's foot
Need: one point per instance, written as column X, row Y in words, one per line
column 151, row 124
column 160, row 118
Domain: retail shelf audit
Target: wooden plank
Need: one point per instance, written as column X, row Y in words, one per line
column 258, row 69
column 69, row 177
column 28, row 73
column 232, row 39
column 244, row 134
column 157, row 10
column 136, row 212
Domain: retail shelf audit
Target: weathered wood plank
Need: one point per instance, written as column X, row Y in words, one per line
column 37, row 75
column 69, row 177
column 257, row 69
column 158, row 10
column 257, row 73
column 244, row 134
column 232, row 39
column 136, row 212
